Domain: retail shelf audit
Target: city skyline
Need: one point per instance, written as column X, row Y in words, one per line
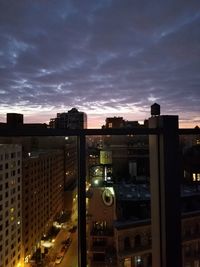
column 107, row 58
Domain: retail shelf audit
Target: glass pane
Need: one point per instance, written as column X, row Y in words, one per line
column 190, row 193
column 38, row 201
column 118, row 201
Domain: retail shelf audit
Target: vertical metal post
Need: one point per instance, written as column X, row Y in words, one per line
column 165, row 192
column 82, row 249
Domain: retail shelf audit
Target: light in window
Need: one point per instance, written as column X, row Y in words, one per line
column 12, row 210
column 194, row 177
column 127, row 262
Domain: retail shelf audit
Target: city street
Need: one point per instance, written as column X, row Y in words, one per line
column 70, row 258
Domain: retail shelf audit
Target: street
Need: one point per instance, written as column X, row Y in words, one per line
column 70, row 258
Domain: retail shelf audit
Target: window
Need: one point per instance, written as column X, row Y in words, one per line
column 127, row 243
column 127, row 262
column 13, row 155
column 137, row 240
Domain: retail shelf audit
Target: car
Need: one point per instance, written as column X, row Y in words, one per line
column 59, row 259
column 73, row 229
column 62, row 249
column 67, row 242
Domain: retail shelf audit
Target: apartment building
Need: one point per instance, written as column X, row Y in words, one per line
column 43, row 188
column 119, row 226
column 10, row 205
column 73, row 119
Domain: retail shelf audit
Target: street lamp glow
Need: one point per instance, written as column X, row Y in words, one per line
column 96, row 182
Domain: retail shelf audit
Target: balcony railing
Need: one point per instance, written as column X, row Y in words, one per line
column 81, row 134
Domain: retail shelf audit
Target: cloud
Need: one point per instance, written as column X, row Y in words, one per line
column 110, row 56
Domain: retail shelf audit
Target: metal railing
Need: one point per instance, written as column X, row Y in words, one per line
column 81, row 135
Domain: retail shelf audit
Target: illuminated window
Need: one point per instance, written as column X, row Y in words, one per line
column 12, row 210
column 127, row 262
column 194, row 177
column 12, row 218
column 198, row 176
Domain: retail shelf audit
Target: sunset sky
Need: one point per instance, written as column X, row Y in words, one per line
column 104, row 57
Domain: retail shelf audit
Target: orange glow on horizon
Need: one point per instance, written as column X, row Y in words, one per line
column 94, row 121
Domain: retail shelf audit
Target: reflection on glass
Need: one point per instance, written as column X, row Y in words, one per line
column 38, row 201
column 118, row 199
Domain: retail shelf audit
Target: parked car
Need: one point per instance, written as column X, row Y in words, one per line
column 67, row 242
column 60, row 255
column 73, row 229
column 63, row 249
column 59, row 259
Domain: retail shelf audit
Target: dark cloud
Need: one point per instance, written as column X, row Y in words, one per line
column 107, row 57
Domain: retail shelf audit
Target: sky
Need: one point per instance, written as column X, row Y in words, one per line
column 104, row 57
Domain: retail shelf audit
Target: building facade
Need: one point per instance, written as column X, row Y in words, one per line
column 11, row 251
column 43, row 189
column 118, row 241
column 73, row 119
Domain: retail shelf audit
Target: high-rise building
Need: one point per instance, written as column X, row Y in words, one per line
column 43, row 189
column 15, row 119
column 10, row 205
column 73, row 119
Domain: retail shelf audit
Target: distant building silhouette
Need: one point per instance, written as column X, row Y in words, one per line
column 16, row 120
column 119, row 122
column 73, row 119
